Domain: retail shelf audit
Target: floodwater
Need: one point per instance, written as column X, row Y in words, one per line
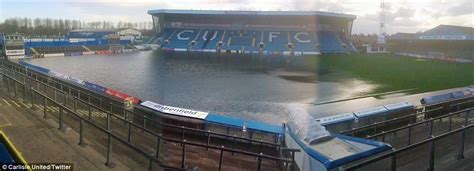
column 253, row 88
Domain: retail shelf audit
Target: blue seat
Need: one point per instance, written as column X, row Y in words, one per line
column 330, row 42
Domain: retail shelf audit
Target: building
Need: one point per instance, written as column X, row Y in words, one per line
column 14, row 46
column 253, row 32
column 125, row 34
column 443, row 41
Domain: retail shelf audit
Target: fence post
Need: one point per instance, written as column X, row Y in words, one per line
column 409, row 133
column 183, row 156
column 431, row 129
column 394, row 163
column 24, row 92
column 233, row 143
column 75, row 105
column 466, row 118
column 432, row 155
column 109, row 150
column 14, row 83
column 89, row 109
column 129, row 138
column 450, row 122
column 61, row 126
column 108, row 120
column 208, row 139
column 221, row 158
column 158, row 144
column 259, row 162
column 81, row 133
column 44, row 107
column 461, row 150
column 32, row 99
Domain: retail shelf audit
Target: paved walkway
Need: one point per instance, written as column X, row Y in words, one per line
column 40, row 141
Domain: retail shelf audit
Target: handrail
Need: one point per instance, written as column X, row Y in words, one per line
column 395, row 152
column 149, row 131
column 70, row 85
column 418, row 123
column 199, row 130
column 109, row 132
column 387, row 121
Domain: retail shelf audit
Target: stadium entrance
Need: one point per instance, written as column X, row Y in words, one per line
column 290, row 33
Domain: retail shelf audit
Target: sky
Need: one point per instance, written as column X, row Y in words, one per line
column 401, row 15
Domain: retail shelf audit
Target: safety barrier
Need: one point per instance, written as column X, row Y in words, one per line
column 393, row 155
column 430, row 121
column 376, row 125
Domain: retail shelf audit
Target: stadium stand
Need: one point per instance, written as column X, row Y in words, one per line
column 59, row 49
column 267, row 32
column 451, row 41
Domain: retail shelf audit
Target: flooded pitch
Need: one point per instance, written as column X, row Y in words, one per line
column 247, row 88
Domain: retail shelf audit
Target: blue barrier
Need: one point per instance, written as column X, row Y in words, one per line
column 446, row 97
column 94, row 87
column 34, row 67
column 239, row 123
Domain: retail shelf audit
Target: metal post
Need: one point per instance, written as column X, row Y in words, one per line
column 467, row 116
column 450, row 122
column 108, row 121
column 129, row 132
column 14, row 83
column 221, row 158
column 432, row 155
column 150, row 165
column 233, row 144
column 61, row 126
column 260, row 148
column 409, row 134
column 75, row 105
column 8, row 84
column 32, row 99
column 24, row 92
column 394, row 162
column 109, row 149
column 461, row 150
column 431, row 129
column 208, row 139
column 44, row 107
column 81, row 133
column 182, row 133
column 90, row 112
column 55, row 95
column 259, row 162
column 183, row 156
column 158, row 144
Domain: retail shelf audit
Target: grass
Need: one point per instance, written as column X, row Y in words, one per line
column 397, row 72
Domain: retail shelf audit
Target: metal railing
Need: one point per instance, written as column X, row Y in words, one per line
column 430, row 121
column 376, row 124
column 198, row 131
column 393, row 154
column 110, row 135
column 160, row 139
